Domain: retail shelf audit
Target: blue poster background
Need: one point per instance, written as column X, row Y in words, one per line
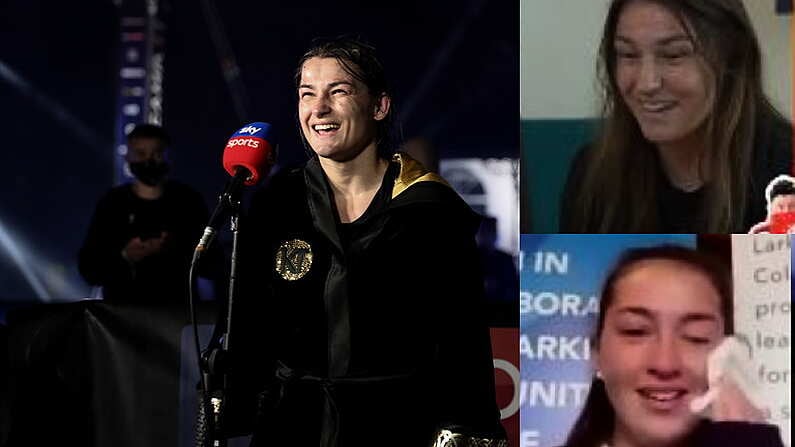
column 560, row 278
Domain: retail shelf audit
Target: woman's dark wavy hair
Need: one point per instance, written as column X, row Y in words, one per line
column 596, row 421
column 358, row 59
column 620, row 183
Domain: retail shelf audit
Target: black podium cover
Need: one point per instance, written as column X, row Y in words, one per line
column 101, row 374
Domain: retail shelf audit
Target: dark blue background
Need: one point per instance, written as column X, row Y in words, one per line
column 67, row 52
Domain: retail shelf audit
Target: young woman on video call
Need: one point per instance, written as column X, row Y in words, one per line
column 688, row 139
column 663, row 310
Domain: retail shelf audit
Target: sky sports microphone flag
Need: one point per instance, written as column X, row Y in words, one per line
column 250, row 148
column 247, row 156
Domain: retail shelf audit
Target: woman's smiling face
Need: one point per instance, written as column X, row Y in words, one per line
column 663, row 80
column 338, row 114
column 663, row 321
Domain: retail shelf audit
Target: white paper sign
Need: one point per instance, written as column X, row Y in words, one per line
column 762, row 303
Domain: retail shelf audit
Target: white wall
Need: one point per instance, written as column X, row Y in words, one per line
column 773, row 32
column 557, row 57
column 559, row 40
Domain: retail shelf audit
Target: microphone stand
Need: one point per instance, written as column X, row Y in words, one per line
column 217, row 368
column 213, row 363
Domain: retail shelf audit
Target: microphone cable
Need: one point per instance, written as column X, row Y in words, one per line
column 205, row 394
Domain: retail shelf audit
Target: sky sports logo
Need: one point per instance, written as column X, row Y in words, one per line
column 253, row 143
column 249, row 129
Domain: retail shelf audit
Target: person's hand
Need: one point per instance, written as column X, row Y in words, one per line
column 138, row 249
column 731, row 404
column 760, row 228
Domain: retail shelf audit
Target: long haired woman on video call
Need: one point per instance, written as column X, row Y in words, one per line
column 688, row 139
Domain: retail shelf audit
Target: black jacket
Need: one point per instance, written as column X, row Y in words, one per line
column 365, row 333
column 163, row 277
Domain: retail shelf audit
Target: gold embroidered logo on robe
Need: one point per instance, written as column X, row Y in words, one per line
column 293, row 259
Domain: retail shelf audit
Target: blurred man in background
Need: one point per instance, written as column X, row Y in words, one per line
column 141, row 238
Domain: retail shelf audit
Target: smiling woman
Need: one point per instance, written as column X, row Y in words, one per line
column 344, row 116
column 663, row 310
column 688, row 138
column 352, row 328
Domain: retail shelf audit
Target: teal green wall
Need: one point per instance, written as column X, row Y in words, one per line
column 548, row 147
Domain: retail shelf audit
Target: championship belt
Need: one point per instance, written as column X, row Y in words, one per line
column 459, row 438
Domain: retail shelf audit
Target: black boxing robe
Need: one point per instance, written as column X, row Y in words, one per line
column 369, row 333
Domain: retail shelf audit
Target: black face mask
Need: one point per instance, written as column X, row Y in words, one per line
column 150, row 172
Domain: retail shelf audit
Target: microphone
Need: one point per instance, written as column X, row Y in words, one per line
column 250, row 149
column 247, row 157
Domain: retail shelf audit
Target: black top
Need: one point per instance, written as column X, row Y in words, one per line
column 358, row 228
column 163, row 277
column 731, row 434
column 681, row 212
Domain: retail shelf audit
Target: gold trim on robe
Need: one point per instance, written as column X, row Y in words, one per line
column 412, row 172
